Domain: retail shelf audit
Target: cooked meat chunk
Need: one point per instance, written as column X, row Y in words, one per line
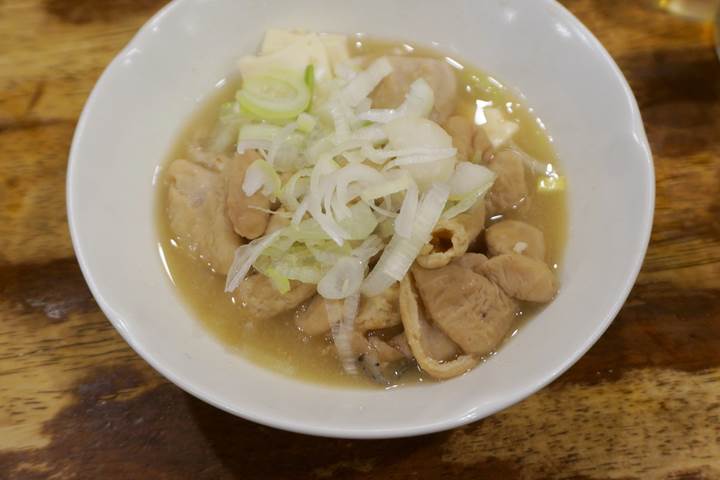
column 400, row 342
column 452, row 238
column 380, row 311
column 471, row 261
column 196, row 209
column 461, row 129
column 374, row 313
column 210, row 160
column 437, row 73
column 449, row 240
column 473, row 311
column 313, row 320
column 246, row 220
column 436, row 343
column 382, row 362
column 522, row 277
column 513, row 236
column 416, row 331
column 473, row 220
column 260, row 300
column 386, row 351
column 510, row 188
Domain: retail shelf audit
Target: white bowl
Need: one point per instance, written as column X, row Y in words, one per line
column 153, row 86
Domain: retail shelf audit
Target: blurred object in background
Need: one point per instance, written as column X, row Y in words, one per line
column 697, row 9
column 717, row 31
column 702, row 10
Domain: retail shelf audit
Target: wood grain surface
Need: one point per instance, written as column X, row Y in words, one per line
column 77, row 402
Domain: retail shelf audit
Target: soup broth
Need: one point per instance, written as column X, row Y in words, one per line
column 277, row 343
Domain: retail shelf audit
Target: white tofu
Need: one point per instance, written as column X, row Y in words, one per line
column 295, row 50
column 498, row 129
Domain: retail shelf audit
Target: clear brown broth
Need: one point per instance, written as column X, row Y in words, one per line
column 276, row 343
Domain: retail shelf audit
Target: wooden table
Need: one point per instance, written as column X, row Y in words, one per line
column 77, row 402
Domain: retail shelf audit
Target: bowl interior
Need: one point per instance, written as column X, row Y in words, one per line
column 174, row 63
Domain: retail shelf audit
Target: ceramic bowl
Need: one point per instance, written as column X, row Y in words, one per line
column 149, row 91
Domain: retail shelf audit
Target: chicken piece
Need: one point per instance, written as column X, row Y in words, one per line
column 386, row 351
column 277, row 222
column 513, row 236
column 390, row 93
column 196, row 209
column 510, row 188
column 522, row 277
column 471, row 261
column 206, row 158
column 470, row 309
column 374, row 313
column 436, row 343
column 416, row 328
column 451, row 238
column 314, row 319
column 380, row 311
column 382, row 362
column 400, row 343
column 473, row 220
column 248, row 222
column 461, row 130
column 260, row 300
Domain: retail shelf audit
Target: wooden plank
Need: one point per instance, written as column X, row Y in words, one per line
column 77, row 402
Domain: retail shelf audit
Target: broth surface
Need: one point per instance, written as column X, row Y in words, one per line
column 277, row 344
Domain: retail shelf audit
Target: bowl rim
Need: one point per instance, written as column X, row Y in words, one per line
column 300, row 426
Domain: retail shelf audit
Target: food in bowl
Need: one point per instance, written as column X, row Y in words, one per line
column 362, row 212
